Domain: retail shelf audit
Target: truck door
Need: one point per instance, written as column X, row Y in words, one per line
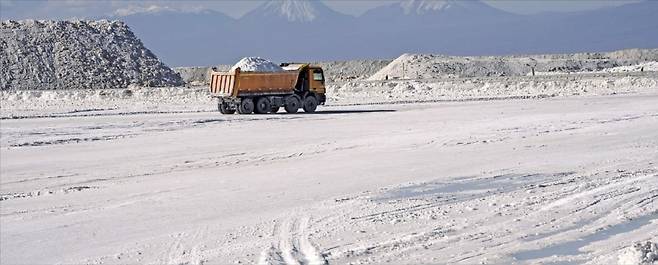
column 303, row 83
column 317, row 80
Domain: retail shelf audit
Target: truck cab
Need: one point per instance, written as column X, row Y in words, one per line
column 311, row 80
column 317, row 80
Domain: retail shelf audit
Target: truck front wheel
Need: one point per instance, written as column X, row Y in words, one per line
column 292, row 104
column 263, row 106
column 246, row 106
column 310, row 104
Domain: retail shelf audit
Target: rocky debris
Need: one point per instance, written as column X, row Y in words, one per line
column 628, row 54
column 642, row 67
column 639, row 254
column 77, row 55
column 256, row 64
column 636, row 68
column 424, row 66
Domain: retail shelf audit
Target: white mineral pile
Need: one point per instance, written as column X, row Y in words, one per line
column 340, row 71
column 639, row 253
column 77, row 55
column 256, row 64
column 425, row 66
column 428, row 66
column 642, row 67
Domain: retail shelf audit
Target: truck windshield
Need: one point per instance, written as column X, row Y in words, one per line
column 317, row 75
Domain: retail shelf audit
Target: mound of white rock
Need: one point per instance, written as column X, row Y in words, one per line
column 40, row 54
column 256, row 64
column 427, row 66
column 639, row 254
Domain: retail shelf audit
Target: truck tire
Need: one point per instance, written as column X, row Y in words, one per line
column 310, row 104
column 263, row 106
column 292, row 104
column 224, row 109
column 246, row 106
column 275, row 109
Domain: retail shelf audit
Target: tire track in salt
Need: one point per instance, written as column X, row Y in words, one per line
column 291, row 245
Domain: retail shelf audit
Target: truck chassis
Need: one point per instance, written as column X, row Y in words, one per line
column 270, row 103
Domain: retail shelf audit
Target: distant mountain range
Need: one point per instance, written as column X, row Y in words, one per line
column 293, row 30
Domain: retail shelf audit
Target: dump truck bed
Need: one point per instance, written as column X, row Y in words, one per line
column 237, row 83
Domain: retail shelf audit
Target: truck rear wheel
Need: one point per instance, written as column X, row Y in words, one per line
column 246, row 106
column 263, row 106
column 223, row 108
column 310, row 104
column 292, row 104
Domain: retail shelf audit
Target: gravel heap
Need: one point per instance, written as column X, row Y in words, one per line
column 77, row 55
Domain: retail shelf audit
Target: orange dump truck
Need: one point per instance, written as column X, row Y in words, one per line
column 299, row 86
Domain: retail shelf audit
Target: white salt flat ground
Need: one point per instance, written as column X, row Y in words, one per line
column 555, row 180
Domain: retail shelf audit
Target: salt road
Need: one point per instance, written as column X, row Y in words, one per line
column 463, row 182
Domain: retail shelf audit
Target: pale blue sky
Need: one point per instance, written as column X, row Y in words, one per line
column 87, row 8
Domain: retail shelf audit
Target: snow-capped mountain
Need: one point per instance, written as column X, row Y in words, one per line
column 455, row 10
column 293, row 11
column 289, row 30
column 420, row 7
column 134, row 10
column 310, row 26
column 302, row 11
